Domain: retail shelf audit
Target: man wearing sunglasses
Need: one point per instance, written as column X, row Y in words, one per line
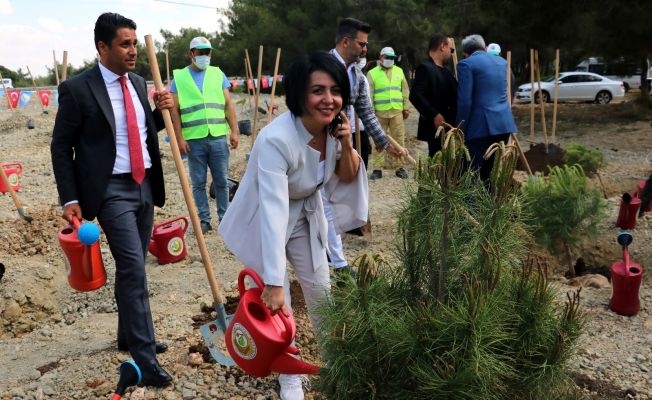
column 390, row 92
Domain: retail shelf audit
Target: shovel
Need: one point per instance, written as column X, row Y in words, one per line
column 212, row 332
column 19, row 206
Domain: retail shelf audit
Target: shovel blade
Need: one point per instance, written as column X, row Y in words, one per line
column 214, row 337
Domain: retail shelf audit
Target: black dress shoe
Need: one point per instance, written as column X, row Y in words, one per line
column 160, row 347
column 376, row 174
column 154, row 375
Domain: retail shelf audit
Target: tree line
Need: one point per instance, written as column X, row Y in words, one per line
column 613, row 29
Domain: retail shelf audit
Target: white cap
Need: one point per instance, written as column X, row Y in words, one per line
column 494, row 49
column 200, row 42
column 387, row 51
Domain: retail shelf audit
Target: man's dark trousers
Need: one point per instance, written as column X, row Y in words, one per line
column 126, row 216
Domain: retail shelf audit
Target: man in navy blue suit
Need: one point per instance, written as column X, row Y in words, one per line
column 482, row 102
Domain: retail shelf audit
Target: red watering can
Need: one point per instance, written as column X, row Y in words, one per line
column 625, row 281
column 85, row 266
column 260, row 343
column 167, row 243
column 628, row 209
column 12, row 170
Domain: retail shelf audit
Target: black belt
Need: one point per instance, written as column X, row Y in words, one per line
column 127, row 175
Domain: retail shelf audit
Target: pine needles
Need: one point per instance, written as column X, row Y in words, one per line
column 465, row 314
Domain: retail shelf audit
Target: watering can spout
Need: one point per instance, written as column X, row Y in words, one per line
column 286, row 363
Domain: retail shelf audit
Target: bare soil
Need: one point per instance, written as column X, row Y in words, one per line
column 58, row 343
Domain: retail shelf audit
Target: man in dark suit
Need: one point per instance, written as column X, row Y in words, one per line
column 482, row 102
column 434, row 91
column 106, row 163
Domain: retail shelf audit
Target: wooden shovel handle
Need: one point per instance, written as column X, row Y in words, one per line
column 183, row 178
column 399, row 147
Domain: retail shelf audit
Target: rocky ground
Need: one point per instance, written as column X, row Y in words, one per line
column 60, row 344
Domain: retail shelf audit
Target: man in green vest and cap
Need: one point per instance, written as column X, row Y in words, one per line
column 205, row 125
column 390, row 93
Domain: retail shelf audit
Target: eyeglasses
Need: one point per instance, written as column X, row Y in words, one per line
column 360, row 42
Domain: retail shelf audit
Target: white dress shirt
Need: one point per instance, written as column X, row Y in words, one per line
column 122, row 160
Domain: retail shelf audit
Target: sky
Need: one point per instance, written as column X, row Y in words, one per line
column 31, row 29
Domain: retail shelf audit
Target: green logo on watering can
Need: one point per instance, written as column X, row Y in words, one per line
column 242, row 342
column 13, row 179
column 175, row 246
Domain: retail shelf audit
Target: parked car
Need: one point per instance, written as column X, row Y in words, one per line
column 575, row 86
column 7, row 82
column 617, row 70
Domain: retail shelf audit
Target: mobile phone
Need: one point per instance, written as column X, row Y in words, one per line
column 336, row 121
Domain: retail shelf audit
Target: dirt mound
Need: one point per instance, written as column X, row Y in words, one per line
column 541, row 157
column 37, row 237
column 16, row 120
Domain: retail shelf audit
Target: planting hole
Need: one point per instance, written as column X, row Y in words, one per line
column 634, row 270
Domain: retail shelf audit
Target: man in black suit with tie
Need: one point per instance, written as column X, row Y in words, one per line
column 434, row 92
column 106, row 163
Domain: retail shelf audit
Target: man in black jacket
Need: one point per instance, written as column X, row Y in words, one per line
column 434, row 92
column 106, row 163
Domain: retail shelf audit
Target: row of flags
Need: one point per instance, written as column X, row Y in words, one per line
column 266, row 81
column 21, row 98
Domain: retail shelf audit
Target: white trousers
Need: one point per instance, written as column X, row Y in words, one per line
column 335, row 248
column 313, row 279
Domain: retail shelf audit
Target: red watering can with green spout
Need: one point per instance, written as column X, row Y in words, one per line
column 259, row 342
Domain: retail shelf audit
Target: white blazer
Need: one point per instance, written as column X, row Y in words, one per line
column 279, row 186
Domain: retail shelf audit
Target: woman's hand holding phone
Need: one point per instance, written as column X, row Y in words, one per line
column 341, row 129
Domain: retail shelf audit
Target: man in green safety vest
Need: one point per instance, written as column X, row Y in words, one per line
column 390, row 93
column 204, row 118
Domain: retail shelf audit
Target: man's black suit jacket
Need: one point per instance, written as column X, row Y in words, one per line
column 83, row 141
column 434, row 91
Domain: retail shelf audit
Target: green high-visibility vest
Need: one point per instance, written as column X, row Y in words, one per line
column 202, row 113
column 387, row 95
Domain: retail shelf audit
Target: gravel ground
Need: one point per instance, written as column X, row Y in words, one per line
column 60, row 344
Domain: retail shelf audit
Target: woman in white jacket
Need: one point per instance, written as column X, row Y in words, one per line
column 277, row 215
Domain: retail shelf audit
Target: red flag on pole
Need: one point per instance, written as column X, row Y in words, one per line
column 44, row 95
column 14, row 97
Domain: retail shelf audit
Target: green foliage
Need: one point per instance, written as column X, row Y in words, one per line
column 589, row 159
column 497, row 333
column 563, row 208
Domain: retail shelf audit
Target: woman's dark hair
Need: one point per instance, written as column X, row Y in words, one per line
column 297, row 78
column 107, row 25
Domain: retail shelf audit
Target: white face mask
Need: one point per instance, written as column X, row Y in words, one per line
column 202, row 62
column 388, row 63
column 362, row 63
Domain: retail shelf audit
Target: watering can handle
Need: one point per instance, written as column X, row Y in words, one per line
column 287, row 324
column 14, row 164
column 253, row 275
column 626, row 260
column 173, row 220
column 75, row 222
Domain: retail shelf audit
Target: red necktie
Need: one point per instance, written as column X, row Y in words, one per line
column 133, row 134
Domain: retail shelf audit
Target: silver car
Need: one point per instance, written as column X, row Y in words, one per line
column 574, row 86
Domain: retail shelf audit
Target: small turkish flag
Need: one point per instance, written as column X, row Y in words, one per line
column 14, row 97
column 44, row 95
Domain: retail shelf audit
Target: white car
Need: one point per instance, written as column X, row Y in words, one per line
column 575, row 86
